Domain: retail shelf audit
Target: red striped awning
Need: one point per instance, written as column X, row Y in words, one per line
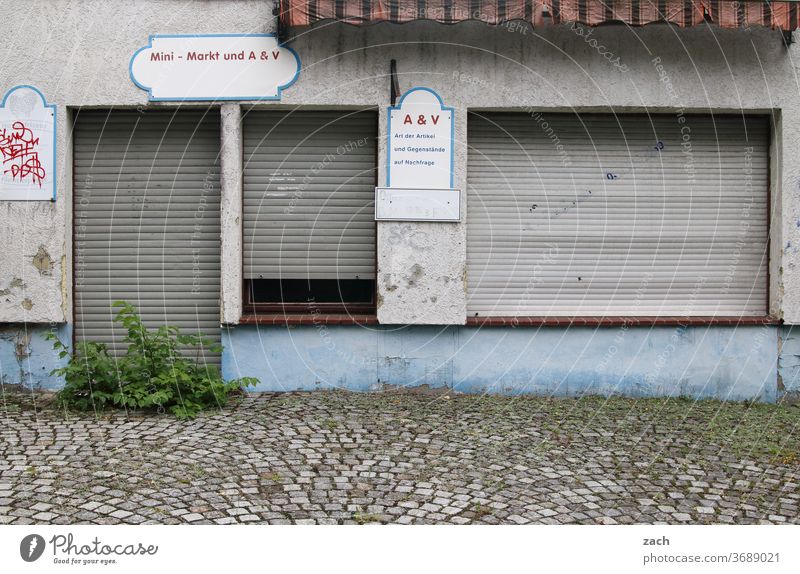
column 724, row 13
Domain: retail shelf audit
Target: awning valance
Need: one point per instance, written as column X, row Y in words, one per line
column 724, row 13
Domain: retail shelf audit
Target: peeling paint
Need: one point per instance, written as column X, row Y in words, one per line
column 22, row 345
column 790, row 398
column 416, row 274
column 34, row 356
column 43, row 262
column 387, row 279
column 27, row 304
column 445, row 241
column 788, row 379
column 553, row 361
column 16, row 283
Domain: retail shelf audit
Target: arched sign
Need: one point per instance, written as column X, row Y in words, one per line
column 419, row 174
column 212, row 67
column 27, row 146
column 420, row 146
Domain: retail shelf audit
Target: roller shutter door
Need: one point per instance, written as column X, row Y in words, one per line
column 147, row 228
column 602, row 215
column 309, row 187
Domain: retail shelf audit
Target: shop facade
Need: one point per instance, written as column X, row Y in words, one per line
column 590, row 209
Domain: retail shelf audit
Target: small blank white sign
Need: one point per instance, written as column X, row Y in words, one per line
column 400, row 204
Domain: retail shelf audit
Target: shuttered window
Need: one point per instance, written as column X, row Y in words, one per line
column 309, row 186
column 627, row 215
column 146, row 221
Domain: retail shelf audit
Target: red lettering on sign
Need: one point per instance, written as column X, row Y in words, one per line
column 408, row 120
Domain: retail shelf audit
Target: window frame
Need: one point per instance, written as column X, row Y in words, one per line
column 254, row 307
column 769, row 317
column 252, row 310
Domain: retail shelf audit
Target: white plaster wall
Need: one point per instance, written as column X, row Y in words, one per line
column 77, row 53
column 473, row 66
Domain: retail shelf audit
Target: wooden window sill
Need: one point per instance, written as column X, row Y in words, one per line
column 611, row 321
column 607, row 321
column 308, row 319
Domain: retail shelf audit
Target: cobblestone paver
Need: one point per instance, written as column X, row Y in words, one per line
column 337, row 457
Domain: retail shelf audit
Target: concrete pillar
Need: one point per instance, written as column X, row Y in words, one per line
column 231, row 162
column 421, row 271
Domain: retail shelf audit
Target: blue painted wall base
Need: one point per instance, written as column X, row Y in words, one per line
column 728, row 363
column 789, row 363
column 27, row 359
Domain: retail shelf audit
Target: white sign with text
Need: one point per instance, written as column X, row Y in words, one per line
column 27, row 146
column 419, row 174
column 214, row 67
column 397, row 204
column 420, row 142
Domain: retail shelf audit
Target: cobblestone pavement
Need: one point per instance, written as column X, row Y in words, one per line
column 337, row 457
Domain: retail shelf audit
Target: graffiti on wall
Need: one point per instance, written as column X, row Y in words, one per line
column 27, row 146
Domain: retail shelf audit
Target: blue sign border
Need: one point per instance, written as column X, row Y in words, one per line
column 55, row 129
column 209, row 98
column 389, row 131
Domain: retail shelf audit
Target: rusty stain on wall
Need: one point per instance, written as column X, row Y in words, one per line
column 64, row 285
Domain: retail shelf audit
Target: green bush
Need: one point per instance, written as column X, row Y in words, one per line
column 153, row 374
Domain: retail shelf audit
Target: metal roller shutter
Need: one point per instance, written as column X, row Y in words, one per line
column 598, row 215
column 147, row 227
column 309, row 187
